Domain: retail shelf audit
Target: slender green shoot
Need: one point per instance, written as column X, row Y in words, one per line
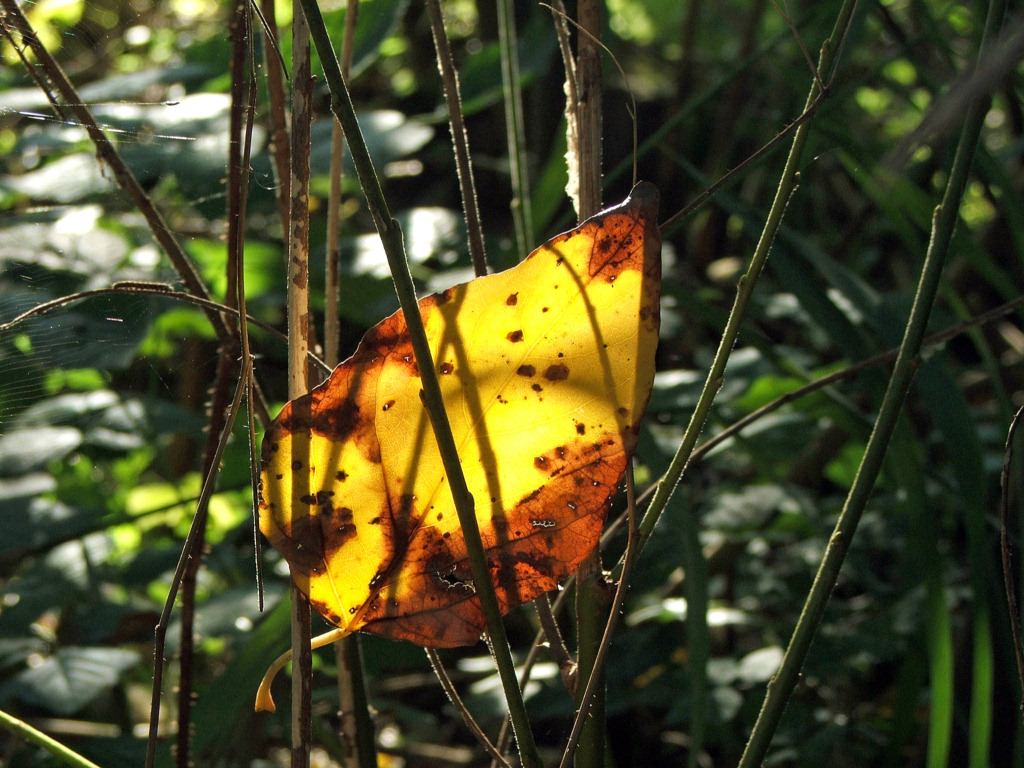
column 65, row 754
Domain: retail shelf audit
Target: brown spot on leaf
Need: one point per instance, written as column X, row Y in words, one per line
column 318, row 499
column 526, row 370
column 513, row 299
column 515, row 336
column 557, row 372
column 445, row 368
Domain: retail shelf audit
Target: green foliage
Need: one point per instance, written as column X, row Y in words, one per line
column 103, row 401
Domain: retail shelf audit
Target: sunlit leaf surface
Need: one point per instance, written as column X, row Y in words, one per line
column 545, row 370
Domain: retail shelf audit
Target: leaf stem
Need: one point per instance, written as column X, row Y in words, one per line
column 594, row 619
column 392, row 240
column 943, row 222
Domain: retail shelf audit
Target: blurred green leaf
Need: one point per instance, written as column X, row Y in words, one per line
column 70, row 679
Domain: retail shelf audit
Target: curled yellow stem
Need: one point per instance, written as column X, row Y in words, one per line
column 264, row 701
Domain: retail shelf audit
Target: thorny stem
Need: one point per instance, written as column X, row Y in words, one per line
column 332, row 270
column 391, row 237
column 279, row 147
column 460, row 140
column 467, row 717
column 298, row 372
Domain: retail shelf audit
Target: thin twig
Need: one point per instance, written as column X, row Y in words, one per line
column 679, row 216
column 467, row 717
column 800, row 43
column 632, row 549
column 237, row 184
column 556, row 645
column 1004, row 547
column 236, row 246
column 198, row 520
column 460, row 140
column 823, row 92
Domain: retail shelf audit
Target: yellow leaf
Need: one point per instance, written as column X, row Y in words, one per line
column 545, row 371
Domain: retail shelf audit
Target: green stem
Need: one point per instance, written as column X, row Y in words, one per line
column 745, row 289
column 943, row 222
column 391, row 237
column 40, row 739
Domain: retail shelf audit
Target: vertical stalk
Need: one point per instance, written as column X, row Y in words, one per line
column 515, row 129
column 358, row 736
column 279, row 147
column 332, row 269
column 593, row 596
column 357, row 731
column 237, row 182
column 298, row 347
column 460, row 140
